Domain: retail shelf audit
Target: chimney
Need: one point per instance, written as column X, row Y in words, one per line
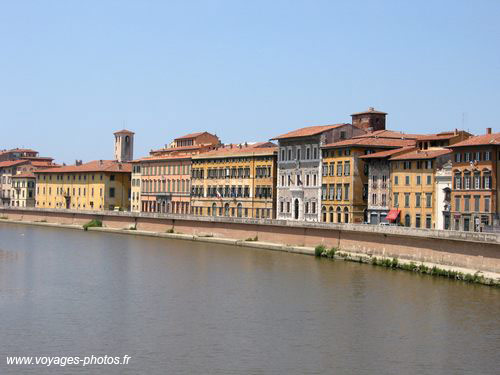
column 100, row 162
column 488, row 130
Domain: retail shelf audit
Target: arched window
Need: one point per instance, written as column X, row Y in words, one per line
column 331, row 214
column 339, row 215
column 346, row 215
column 214, row 209
column 240, row 210
column 323, row 212
column 226, row 209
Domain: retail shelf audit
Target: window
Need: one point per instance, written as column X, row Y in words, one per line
column 486, row 204
column 339, row 168
column 407, row 200
column 467, row 182
column 418, row 180
column 417, row 221
column 396, row 199
column 458, row 157
column 417, row 199
column 429, row 179
column 458, row 181
column 339, row 192
column 396, row 180
column 112, row 192
column 384, row 199
column 466, row 203
column 112, row 177
column 428, row 221
column 428, row 200
column 407, row 180
column 374, row 199
column 457, row 203
column 346, row 191
column 487, row 155
column 347, row 168
column 476, row 203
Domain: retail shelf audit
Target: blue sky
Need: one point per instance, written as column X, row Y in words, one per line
column 72, row 72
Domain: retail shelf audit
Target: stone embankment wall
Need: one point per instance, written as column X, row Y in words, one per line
column 477, row 251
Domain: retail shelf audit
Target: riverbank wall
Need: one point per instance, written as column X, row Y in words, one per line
column 467, row 250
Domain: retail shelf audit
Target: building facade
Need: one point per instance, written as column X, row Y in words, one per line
column 300, row 169
column 442, row 191
column 161, row 182
column 165, row 183
column 413, row 186
column 476, row 180
column 235, row 180
column 23, row 190
column 97, row 185
column 379, row 196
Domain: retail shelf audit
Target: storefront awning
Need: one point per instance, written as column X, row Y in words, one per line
column 392, row 215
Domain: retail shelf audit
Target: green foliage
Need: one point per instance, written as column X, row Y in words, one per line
column 4, row 218
column 319, row 250
column 92, row 223
column 171, row 230
column 250, row 239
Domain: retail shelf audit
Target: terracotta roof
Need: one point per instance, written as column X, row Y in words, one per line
column 92, row 166
column 387, row 153
column 161, row 157
column 480, row 140
column 192, row 135
column 442, row 135
column 37, row 158
column 372, row 142
column 369, row 110
column 421, row 154
column 389, row 134
column 17, row 150
column 308, row 131
column 180, row 148
column 124, row 131
column 238, row 150
column 24, row 175
column 11, row 163
column 47, row 164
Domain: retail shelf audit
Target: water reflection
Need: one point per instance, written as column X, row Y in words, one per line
column 186, row 308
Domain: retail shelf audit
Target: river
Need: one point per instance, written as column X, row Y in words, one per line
column 183, row 307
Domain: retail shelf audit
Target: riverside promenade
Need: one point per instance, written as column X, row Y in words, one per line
column 470, row 251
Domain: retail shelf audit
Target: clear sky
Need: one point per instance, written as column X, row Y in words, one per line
column 72, row 72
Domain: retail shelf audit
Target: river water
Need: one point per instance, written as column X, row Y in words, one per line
column 182, row 307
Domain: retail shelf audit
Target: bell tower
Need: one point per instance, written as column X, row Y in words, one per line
column 124, row 145
column 370, row 120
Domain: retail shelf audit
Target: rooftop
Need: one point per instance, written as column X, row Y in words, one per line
column 389, row 134
column 239, row 150
column 308, row 131
column 421, row 154
column 24, row 175
column 480, row 140
column 369, row 110
column 387, row 153
column 372, row 142
column 11, row 163
column 92, row 166
column 124, row 131
column 192, row 135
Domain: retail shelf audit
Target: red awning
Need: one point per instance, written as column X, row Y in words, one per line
column 392, row 215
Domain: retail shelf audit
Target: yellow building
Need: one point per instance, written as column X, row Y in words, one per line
column 235, row 180
column 413, row 191
column 23, row 190
column 97, row 185
column 344, row 190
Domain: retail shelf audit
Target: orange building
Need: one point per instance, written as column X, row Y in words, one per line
column 475, row 202
column 161, row 182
